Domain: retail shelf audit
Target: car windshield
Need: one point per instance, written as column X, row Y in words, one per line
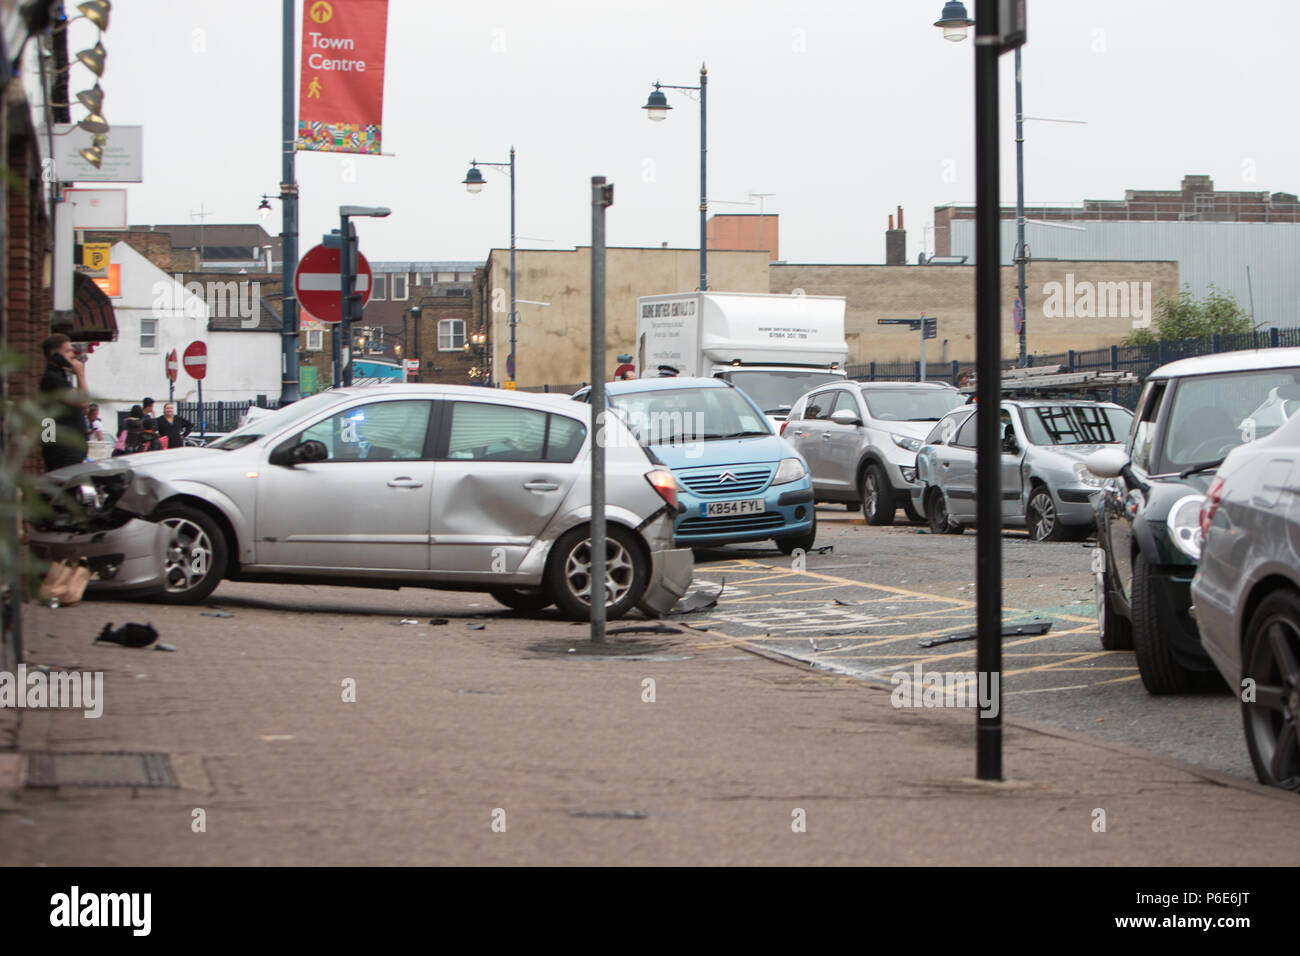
column 1076, row 424
column 668, row 416
column 911, row 404
column 269, row 424
column 1212, row 414
column 776, row 391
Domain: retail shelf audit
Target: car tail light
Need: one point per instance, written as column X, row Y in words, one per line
column 662, row 481
column 1212, row 499
column 781, row 430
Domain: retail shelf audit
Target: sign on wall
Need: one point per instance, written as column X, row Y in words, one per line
column 122, row 162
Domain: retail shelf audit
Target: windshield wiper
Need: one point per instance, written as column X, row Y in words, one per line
column 1197, row 469
column 734, row 435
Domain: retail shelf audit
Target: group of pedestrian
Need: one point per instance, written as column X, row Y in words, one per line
column 76, row 422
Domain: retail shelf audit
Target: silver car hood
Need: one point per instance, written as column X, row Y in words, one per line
column 1071, row 453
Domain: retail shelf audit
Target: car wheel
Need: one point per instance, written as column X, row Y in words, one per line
column 523, row 599
column 1116, row 632
column 1041, row 518
column 1161, row 674
column 568, row 573
column 941, row 521
column 877, row 497
column 804, row 541
column 194, row 555
column 1271, row 659
column 909, row 509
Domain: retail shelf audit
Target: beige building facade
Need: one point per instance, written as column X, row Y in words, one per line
column 1071, row 305
column 553, row 341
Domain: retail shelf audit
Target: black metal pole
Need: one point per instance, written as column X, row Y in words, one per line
column 514, row 309
column 289, row 390
column 1020, row 221
column 988, row 370
column 347, row 267
column 602, row 196
column 704, row 191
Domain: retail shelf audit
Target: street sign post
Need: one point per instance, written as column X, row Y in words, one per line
column 195, row 361
column 173, row 370
column 928, row 326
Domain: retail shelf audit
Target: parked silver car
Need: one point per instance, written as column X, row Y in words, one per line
column 860, row 441
column 1246, row 594
column 1045, row 486
column 436, row 486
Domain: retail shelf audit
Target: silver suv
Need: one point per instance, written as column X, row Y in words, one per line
column 860, row 441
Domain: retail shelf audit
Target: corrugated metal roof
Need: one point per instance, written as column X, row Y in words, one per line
column 1206, row 252
column 451, row 265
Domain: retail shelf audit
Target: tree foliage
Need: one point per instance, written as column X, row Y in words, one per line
column 1185, row 317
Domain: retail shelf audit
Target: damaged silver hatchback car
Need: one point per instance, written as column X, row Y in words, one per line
column 402, row 485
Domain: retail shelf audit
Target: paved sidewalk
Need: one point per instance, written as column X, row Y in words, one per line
column 454, row 727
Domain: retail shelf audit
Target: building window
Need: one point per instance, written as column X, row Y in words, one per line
column 425, row 278
column 446, row 277
column 398, row 292
column 451, row 335
column 464, row 277
column 148, row 335
column 378, row 293
column 315, row 340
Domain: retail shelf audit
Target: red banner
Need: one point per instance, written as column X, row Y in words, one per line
column 341, row 86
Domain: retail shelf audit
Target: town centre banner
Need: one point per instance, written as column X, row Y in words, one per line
column 341, row 86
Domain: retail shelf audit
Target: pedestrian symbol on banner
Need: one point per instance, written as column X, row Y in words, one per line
column 313, row 89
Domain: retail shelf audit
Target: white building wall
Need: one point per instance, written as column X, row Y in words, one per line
column 241, row 366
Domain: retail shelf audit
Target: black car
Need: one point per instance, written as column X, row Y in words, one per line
column 1190, row 415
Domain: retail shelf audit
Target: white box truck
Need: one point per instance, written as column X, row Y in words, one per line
column 773, row 347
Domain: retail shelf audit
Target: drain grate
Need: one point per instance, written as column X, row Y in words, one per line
column 47, row 768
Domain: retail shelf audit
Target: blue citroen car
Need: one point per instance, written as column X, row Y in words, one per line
column 739, row 481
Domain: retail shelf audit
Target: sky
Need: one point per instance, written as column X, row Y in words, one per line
column 840, row 109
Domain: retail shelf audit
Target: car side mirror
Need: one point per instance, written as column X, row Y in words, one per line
column 1009, row 445
column 1107, row 462
column 845, row 416
column 308, row 451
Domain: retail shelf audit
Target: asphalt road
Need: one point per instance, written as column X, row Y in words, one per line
column 862, row 608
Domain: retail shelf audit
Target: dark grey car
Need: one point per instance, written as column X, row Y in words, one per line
column 1247, row 595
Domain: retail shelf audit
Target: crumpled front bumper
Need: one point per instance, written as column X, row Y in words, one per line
column 127, row 558
column 671, row 573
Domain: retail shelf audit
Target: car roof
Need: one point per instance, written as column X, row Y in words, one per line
column 470, row 392
column 885, row 385
column 659, row 384
column 1244, row 361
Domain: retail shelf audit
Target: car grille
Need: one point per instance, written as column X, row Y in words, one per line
column 747, row 481
column 730, row 525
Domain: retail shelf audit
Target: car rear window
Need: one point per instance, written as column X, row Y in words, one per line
column 1209, row 415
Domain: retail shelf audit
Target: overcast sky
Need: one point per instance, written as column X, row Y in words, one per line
column 843, row 109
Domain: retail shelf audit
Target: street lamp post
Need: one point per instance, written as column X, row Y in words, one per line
column 474, row 183
column 348, row 271
column 289, row 388
column 657, row 108
column 992, row 38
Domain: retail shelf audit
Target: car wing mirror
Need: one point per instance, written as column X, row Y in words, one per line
column 289, row 455
column 1009, row 445
column 1107, row 462
column 845, row 417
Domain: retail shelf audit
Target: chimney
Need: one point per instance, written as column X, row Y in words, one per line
column 896, row 242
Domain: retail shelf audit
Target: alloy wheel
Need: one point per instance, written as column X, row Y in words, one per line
column 619, row 571
column 188, row 556
column 1042, row 514
column 1273, row 718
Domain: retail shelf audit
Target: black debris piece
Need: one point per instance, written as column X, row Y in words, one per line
column 436, row 621
column 128, row 635
column 215, row 614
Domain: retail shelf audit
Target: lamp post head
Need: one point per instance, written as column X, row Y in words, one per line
column 264, row 208
column 954, row 22
column 656, row 106
column 374, row 212
column 474, row 180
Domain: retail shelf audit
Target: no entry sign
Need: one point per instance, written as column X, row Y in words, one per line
column 173, row 366
column 319, row 285
column 196, row 360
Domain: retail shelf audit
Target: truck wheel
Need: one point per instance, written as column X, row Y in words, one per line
column 877, row 496
column 1161, row 674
